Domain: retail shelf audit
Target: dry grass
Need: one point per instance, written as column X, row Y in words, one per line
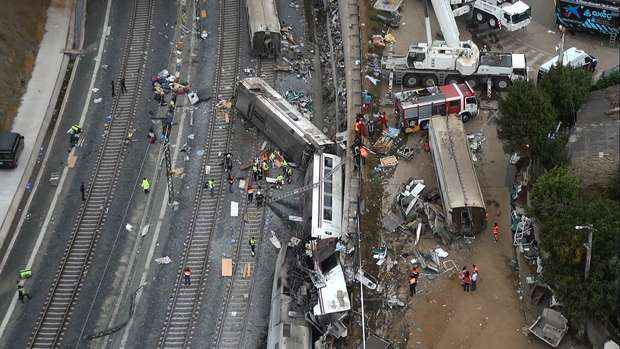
column 22, row 25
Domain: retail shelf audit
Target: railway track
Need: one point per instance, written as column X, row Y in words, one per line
column 184, row 305
column 232, row 319
column 53, row 321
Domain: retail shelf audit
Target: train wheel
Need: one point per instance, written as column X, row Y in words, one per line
column 479, row 17
column 492, row 22
column 502, row 83
column 430, row 81
column 410, row 80
column 465, row 116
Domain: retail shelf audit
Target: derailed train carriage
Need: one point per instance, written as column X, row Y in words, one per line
column 284, row 125
column 264, row 27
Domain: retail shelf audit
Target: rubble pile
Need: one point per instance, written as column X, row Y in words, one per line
column 335, row 39
column 301, row 101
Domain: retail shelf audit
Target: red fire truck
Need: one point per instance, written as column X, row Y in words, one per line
column 415, row 107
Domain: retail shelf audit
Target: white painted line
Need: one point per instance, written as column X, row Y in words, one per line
column 42, row 232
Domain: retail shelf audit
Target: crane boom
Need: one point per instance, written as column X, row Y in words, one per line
column 447, row 23
column 304, row 188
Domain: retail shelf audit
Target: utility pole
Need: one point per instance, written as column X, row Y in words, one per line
column 588, row 246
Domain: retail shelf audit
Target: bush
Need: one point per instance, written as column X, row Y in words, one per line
column 610, row 80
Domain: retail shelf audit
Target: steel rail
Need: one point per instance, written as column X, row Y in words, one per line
column 184, row 304
column 232, row 318
column 54, row 318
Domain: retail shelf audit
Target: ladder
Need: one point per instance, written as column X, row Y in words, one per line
column 304, row 188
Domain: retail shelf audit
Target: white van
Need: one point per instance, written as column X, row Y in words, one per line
column 573, row 57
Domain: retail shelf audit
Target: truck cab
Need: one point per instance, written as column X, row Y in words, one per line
column 573, row 57
column 516, row 16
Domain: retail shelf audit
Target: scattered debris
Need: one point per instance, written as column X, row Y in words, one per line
column 163, row 260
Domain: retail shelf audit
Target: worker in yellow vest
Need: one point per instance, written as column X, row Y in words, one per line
column 146, row 185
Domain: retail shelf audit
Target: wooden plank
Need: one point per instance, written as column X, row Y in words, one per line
column 227, row 267
column 203, row 13
column 72, row 159
column 247, row 270
column 389, row 161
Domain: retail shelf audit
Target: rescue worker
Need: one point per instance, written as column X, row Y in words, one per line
column 187, row 276
column 255, row 171
column 363, row 154
column 474, row 280
column 272, row 158
column 210, row 184
column 123, row 86
column 466, row 281
column 151, row 136
column 228, row 162
column 279, row 181
column 75, row 129
column 231, row 182
column 265, row 168
column 252, row 244
column 289, row 175
column 21, row 291
column 496, row 232
column 383, row 120
column 259, row 198
column 146, row 185
column 356, row 157
column 83, row 191
column 250, row 191
column 413, row 281
column 284, row 163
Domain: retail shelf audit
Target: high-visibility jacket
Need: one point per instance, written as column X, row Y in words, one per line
column 211, row 183
column 76, row 129
column 280, row 178
column 252, row 241
column 146, row 184
column 284, row 163
column 265, row 166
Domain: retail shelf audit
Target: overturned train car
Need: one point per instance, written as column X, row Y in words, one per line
column 264, row 27
column 284, row 125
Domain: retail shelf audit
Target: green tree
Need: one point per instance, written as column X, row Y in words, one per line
column 565, row 255
column 553, row 192
column 526, row 117
column 568, row 88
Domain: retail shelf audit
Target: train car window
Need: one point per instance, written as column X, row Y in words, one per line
column 327, row 214
column 329, row 162
column 327, row 186
column 327, row 200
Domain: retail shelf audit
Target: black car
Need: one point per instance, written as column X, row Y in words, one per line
column 11, row 145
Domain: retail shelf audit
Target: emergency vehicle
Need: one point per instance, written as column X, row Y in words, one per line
column 415, row 107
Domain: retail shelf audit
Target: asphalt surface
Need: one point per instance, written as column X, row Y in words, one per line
column 101, row 291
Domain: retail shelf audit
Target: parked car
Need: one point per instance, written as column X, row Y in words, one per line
column 11, row 146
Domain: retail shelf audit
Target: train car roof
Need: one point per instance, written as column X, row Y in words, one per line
column 263, row 16
column 285, row 112
column 459, row 176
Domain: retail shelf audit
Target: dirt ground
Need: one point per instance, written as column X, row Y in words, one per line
column 22, row 25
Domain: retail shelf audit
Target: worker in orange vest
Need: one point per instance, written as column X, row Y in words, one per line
column 496, row 232
column 187, row 275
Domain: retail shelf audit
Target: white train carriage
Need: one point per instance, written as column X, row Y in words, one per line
column 264, row 27
column 279, row 120
column 323, row 204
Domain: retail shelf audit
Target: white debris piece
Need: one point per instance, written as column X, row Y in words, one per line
column 163, row 260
